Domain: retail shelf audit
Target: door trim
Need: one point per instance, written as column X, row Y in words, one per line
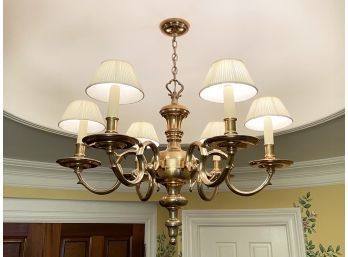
column 71, row 211
column 193, row 220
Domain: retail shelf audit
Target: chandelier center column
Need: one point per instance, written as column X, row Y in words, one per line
column 173, row 173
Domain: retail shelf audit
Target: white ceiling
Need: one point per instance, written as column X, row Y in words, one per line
column 293, row 49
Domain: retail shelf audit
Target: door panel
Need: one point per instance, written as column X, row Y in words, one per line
column 117, row 248
column 15, row 239
column 23, row 240
column 97, row 246
column 226, row 249
column 14, row 247
column 260, row 249
column 77, row 247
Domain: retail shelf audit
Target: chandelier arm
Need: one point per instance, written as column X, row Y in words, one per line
column 137, row 174
column 92, row 189
column 150, row 188
column 153, row 165
column 219, row 178
column 150, row 169
column 266, row 182
column 190, row 160
column 203, row 195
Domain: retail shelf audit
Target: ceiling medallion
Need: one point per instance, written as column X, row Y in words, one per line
column 227, row 82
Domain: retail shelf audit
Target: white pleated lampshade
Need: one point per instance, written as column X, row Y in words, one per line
column 143, row 131
column 115, row 72
column 267, row 107
column 82, row 110
column 227, row 72
column 212, row 129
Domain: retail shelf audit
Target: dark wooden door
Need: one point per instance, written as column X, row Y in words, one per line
column 73, row 240
column 15, row 239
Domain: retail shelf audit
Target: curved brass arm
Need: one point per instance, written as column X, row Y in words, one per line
column 216, row 179
column 270, row 172
column 92, row 189
column 142, row 164
column 190, row 159
column 151, row 166
column 137, row 174
column 203, row 195
column 150, row 188
column 205, row 177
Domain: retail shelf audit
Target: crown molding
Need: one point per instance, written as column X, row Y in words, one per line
column 62, row 133
column 33, row 174
column 321, row 172
column 312, row 124
column 36, row 126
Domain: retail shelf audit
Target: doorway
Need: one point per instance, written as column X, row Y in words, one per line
column 247, row 232
column 72, row 211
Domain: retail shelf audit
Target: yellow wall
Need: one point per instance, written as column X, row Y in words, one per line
column 328, row 203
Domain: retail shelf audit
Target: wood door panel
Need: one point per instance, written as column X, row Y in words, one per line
column 86, row 229
column 35, row 240
column 14, row 236
column 97, row 247
column 138, row 237
column 14, row 247
column 52, row 240
column 77, row 247
column 15, row 230
column 117, row 247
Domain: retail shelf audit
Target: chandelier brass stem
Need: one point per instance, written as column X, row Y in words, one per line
column 269, row 151
column 111, row 124
column 173, row 201
column 230, row 126
column 80, row 150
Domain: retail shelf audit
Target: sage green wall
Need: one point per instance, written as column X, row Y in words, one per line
column 322, row 141
column 319, row 142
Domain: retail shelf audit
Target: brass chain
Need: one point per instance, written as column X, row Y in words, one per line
column 174, row 58
column 173, row 93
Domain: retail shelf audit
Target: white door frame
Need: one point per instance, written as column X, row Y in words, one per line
column 290, row 218
column 72, row 211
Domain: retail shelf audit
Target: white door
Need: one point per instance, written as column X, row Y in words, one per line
column 243, row 241
column 243, row 233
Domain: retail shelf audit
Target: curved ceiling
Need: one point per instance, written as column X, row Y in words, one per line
column 293, row 50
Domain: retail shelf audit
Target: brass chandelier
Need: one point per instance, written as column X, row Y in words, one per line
column 227, row 82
